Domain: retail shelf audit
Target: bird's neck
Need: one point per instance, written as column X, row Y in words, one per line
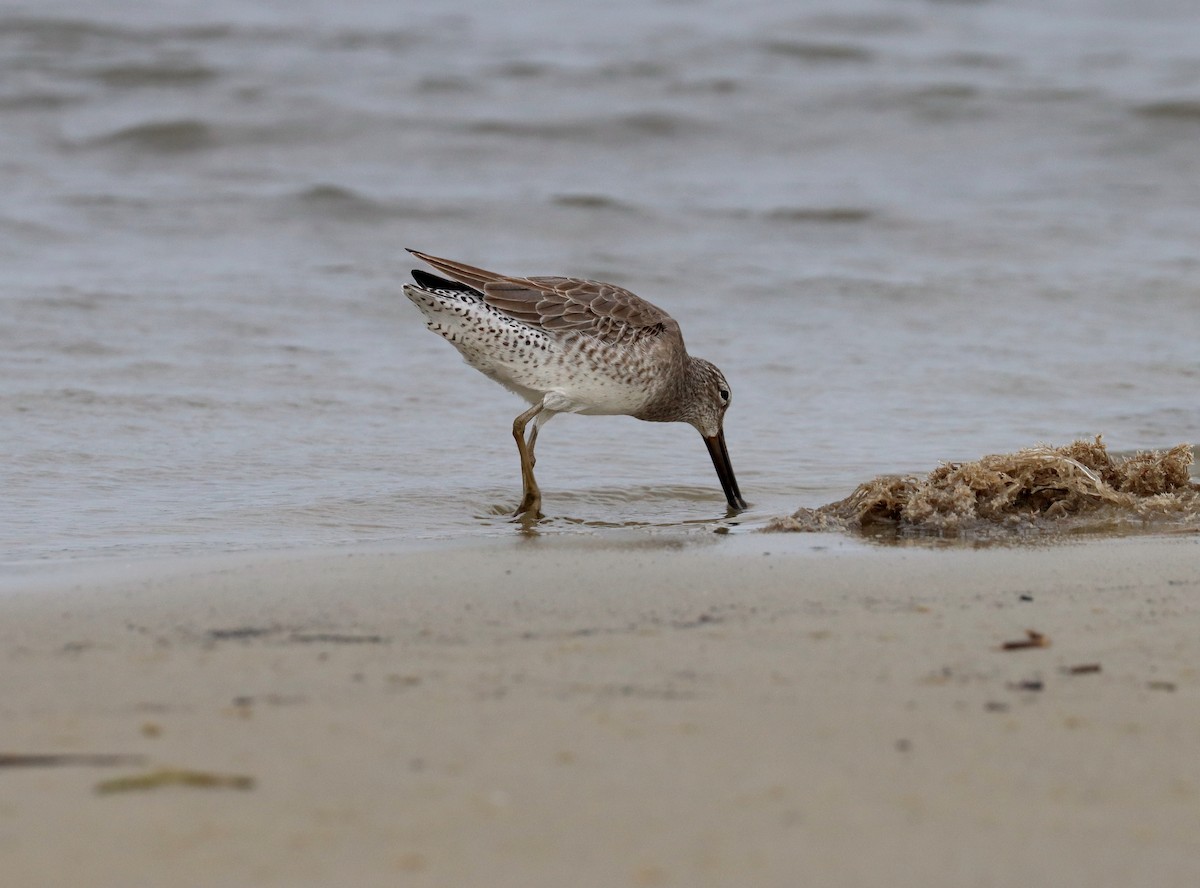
column 672, row 402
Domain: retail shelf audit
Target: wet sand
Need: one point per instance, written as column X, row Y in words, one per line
column 748, row 709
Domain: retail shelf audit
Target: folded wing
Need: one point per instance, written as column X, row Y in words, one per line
column 564, row 306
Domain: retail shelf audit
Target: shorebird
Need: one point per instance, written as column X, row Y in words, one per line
column 567, row 345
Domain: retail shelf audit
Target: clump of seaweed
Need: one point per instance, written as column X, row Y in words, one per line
column 1076, row 487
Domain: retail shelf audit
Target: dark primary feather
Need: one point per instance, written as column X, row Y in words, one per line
column 428, row 281
column 563, row 305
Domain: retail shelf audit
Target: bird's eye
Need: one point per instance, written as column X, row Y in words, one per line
column 724, row 393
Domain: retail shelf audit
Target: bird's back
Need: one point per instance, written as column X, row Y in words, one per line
column 594, row 347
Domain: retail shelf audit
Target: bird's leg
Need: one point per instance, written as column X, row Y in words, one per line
column 532, row 440
column 531, row 500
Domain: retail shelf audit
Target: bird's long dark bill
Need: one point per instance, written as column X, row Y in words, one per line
column 720, row 458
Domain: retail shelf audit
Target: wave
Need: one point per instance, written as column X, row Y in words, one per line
column 714, row 85
column 160, row 137
column 25, row 230
column 820, row 215
column 338, row 201
column 848, row 215
column 644, row 125
column 817, row 53
column 39, row 100
column 521, row 70
column 592, row 202
column 1183, row 110
column 153, row 75
column 188, row 134
column 54, row 33
column 445, row 83
column 67, row 33
column 393, row 41
column 347, row 205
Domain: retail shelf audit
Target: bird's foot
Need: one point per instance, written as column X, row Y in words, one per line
column 531, row 507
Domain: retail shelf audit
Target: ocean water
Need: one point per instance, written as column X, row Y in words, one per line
column 908, row 231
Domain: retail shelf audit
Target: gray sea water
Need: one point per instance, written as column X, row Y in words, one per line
column 909, row 231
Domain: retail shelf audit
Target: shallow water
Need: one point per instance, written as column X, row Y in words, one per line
column 907, row 231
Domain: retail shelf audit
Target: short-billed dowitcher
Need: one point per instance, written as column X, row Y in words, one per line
column 573, row 346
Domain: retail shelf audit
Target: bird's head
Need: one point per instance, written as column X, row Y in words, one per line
column 709, row 398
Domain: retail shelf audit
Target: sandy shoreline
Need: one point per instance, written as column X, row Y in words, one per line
column 639, row 711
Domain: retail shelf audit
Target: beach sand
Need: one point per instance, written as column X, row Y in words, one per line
column 749, row 709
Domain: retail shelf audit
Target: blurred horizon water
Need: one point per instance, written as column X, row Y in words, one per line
column 908, row 231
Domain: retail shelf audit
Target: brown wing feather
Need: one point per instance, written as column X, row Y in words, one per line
column 564, row 305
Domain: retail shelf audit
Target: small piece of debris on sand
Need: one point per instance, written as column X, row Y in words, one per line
column 1029, row 684
column 1082, row 669
column 1032, row 639
column 66, row 760
column 175, row 777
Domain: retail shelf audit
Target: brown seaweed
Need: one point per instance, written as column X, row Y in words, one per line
column 1072, row 488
